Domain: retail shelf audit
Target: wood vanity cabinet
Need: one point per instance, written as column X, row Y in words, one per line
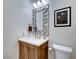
column 28, row 51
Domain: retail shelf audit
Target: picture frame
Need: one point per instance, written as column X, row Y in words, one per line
column 62, row 17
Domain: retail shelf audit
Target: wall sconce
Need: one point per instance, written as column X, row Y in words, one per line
column 44, row 2
column 39, row 3
column 35, row 5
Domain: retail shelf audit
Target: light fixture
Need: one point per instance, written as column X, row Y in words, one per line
column 35, row 5
column 39, row 4
column 44, row 2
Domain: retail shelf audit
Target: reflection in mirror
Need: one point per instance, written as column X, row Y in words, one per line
column 40, row 21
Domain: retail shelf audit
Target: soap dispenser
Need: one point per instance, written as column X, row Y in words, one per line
column 30, row 29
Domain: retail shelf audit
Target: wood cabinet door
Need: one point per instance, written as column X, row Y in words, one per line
column 23, row 51
column 43, row 51
column 33, row 52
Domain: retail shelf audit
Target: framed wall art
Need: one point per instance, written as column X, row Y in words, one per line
column 62, row 17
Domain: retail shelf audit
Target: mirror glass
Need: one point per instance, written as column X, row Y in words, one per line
column 40, row 21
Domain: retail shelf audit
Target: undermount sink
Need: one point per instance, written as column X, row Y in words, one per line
column 33, row 41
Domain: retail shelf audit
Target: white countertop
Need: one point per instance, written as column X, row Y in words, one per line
column 33, row 41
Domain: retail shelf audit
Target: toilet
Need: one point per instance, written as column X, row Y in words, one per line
column 62, row 52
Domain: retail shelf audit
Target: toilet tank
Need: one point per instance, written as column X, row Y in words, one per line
column 62, row 52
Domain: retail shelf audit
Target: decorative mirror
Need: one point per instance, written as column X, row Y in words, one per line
column 40, row 21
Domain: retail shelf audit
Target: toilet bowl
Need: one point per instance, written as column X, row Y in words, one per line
column 62, row 52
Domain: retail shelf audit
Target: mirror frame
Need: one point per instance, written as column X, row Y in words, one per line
column 45, row 31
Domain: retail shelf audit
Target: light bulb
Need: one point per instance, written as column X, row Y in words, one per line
column 44, row 2
column 39, row 3
column 35, row 5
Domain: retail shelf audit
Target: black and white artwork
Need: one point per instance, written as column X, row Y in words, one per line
column 62, row 17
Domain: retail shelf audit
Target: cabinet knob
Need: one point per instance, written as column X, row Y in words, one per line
column 50, row 49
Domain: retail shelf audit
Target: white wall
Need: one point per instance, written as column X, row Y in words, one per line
column 63, row 35
column 17, row 16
